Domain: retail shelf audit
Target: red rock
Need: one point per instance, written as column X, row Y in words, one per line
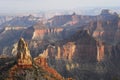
column 100, row 51
column 41, row 61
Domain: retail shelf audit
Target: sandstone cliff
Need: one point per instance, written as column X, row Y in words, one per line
column 39, row 31
column 73, row 20
column 25, row 68
column 79, row 45
column 100, row 51
column 79, row 52
column 23, row 54
column 106, row 29
column 102, row 26
column 71, row 52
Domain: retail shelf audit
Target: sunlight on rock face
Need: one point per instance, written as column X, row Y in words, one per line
column 23, row 54
column 72, row 66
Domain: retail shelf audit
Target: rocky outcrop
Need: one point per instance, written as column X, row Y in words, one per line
column 102, row 26
column 78, row 44
column 27, row 69
column 107, row 27
column 23, row 21
column 100, row 51
column 85, row 46
column 41, row 61
column 75, row 53
column 79, row 53
column 40, row 33
column 98, row 33
column 76, row 48
column 65, row 52
column 59, row 20
column 64, row 20
column 23, row 54
column 68, row 51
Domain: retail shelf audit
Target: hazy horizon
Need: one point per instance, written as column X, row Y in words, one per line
column 14, row 6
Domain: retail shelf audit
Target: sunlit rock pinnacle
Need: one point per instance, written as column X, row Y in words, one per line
column 23, row 54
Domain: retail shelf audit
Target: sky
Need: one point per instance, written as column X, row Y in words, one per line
column 45, row 5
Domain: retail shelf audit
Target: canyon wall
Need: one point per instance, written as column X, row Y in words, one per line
column 80, row 52
column 41, row 33
column 26, row 68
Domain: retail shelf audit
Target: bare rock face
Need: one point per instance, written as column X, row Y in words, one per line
column 59, row 20
column 80, row 52
column 25, row 69
column 65, row 52
column 69, row 50
column 23, row 54
column 99, row 30
column 107, row 27
column 100, row 51
column 40, row 33
column 41, row 61
column 81, row 45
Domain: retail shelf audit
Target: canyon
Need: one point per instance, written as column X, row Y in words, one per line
column 25, row 68
column 79, row 46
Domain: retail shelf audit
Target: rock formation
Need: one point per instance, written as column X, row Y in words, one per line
column 26, row 69
column 41, row 61
column 23, row 54
column 79, row 52
column 79, row 46
column 59, row 20
column 100, row 51
column 39, row 31
column 99, row 31
column 68, row 46
column 23, row 21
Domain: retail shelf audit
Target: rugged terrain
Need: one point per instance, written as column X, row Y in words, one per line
column 26, row 68
column 79, row 46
